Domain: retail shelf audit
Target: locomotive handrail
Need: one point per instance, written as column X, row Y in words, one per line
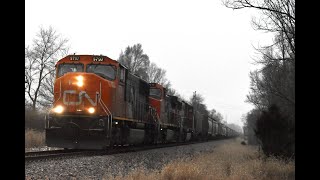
column 104, row 107
column 102, row 103
column 59, row 92
column 54, row 103
column 108, row 112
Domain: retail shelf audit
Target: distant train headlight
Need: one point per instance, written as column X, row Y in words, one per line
column 91, row 110
column 79, row 81
column 58, row 109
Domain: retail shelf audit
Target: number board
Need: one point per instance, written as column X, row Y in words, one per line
column 98, row 58
column 74, row 58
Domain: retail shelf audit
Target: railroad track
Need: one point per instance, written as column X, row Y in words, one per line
column 41, row 155
column 56, row 154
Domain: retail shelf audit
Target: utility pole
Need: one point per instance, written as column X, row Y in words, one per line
column 194, row 110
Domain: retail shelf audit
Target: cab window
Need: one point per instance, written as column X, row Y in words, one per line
column 155, row 93
column 69, row 67
column 102, row 70
column 122, row 74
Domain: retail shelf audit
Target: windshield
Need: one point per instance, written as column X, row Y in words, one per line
column 69, row 67
column 105, row 71
column 156, row 93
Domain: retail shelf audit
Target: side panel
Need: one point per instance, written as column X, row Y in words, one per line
column 120, row 103
column 205, row 124
column 131, row 95
column 214, row 128
column 165, row 106
column 210, row 129
column 137, row 99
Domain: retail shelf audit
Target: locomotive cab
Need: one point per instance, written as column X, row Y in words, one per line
column 156, row 96
column 174, row 114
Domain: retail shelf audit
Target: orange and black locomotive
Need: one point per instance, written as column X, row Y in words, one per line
column 99, row 103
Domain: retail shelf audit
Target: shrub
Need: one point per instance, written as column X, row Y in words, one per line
column 275, row 133
column 34, row 138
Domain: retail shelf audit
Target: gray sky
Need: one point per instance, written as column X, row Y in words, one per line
column 203, row 46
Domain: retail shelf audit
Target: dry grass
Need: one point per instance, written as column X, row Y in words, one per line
column 34, row 138
column 230, row 161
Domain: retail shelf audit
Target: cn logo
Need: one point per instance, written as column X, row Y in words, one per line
column 81, row 94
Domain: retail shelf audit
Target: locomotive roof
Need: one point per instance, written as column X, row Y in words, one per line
column 86, row 58
column 76, row 58
column 212, row 118
column 186, row 103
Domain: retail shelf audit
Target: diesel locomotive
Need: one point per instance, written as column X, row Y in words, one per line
column 99, row 103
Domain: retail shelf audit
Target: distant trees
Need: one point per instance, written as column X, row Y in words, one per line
column 138, row 63
column 171, row 91
column 234, row 127
column 250, row 120
column 40, row 58
column 272, row 88
column 197, row 101
column 156, row 74
column 135, row 60
column 215, row 115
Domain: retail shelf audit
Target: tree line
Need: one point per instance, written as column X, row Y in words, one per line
column 272, row 89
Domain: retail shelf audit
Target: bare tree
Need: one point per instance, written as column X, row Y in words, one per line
column 46, row 92
column 197, row 102
column 250, row 120
column 138, row 63
column 170, row 90
column 275, row 82
column 278, row 16
column 40, row 58
column 156, row 74
column 196, row 99
column 215, row 115
column 135, row 60
column 235, row 127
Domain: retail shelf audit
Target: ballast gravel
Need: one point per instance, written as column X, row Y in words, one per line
column 100, row 167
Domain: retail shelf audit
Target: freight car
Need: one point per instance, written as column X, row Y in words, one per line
column 99, row 103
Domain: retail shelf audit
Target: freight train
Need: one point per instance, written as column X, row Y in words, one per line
column 99, row 103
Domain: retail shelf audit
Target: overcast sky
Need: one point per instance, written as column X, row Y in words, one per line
column 203, row 45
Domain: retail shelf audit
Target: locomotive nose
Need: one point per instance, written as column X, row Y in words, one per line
column 80, row 93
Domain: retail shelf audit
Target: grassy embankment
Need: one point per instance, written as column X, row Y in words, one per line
column 34, row 138
column 230, row 161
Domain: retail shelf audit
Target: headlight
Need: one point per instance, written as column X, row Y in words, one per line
column 79, row 81
column 58, row 109
column 91, row 110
